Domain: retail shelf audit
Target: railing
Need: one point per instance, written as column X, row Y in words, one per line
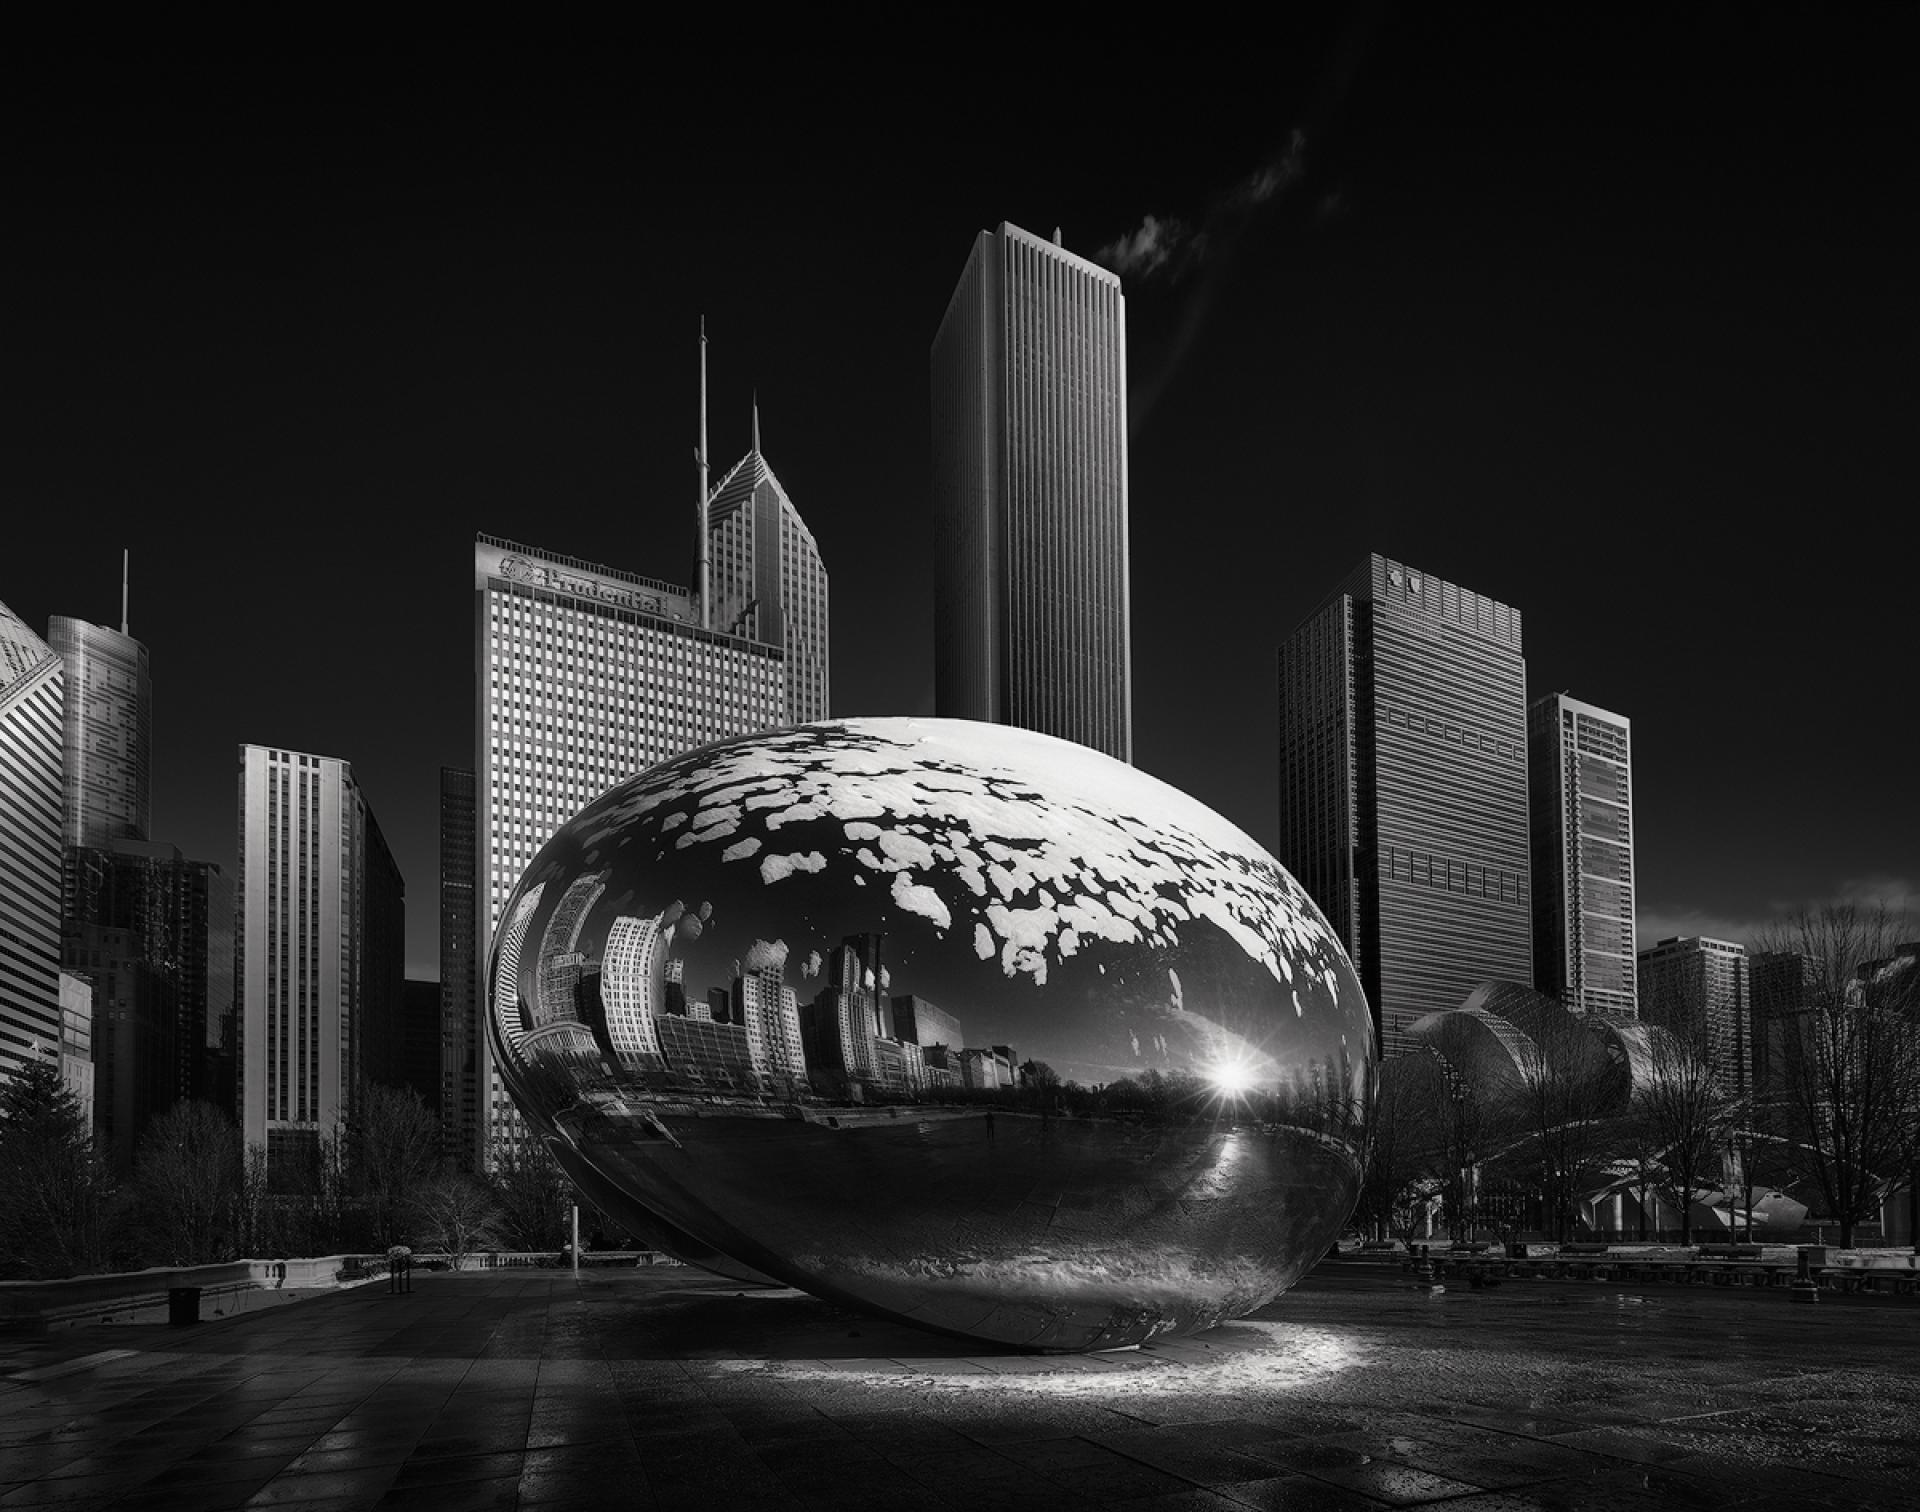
column 1882, row 1273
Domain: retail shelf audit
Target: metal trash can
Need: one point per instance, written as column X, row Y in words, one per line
column 183, row 1305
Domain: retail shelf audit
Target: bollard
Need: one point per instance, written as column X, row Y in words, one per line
column 1423, row 1273
column 1803, row 1289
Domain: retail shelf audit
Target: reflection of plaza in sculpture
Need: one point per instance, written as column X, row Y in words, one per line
column 957, row 1022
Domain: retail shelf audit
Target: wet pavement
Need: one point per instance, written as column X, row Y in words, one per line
column 667, row 1388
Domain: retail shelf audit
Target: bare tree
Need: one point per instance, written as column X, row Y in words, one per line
column 185, row 1174
column 1850, row 1061
column 532, row 1194
column 1403, row 1142
column 456, row 1213
column 1562, row 1112
column 1684, row 1119
column 332, row 1182
column 396, row 1150
column 254, row 1230
column 1475, row 1128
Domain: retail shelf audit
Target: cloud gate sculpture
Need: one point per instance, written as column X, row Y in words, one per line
column 953, row 1022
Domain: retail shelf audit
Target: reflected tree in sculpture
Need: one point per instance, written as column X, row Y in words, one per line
column 958, row 1023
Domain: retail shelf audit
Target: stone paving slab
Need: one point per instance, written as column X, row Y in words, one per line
column 671, row 1389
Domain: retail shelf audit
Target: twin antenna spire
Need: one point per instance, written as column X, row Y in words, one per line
column 703, row 565
column 124, row 554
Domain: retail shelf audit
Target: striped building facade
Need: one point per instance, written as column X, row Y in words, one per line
column 1403, row 786
column 109, row 732
column 1031, row 595
column 320, row 964
column 1580, row 760
column 32, row 805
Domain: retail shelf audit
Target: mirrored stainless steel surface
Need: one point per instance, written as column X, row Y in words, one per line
column 951, row 1021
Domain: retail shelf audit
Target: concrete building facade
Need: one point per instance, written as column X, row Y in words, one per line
column 1697, row 989
column 321, row 954
column 584, row 676
column 1031, row 588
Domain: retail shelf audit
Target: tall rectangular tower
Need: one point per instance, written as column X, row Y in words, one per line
column 319, row 959
column 32, row 804
column 1698, row 989
column 459, row 972
column 1580, row 784
column 153, row 933
column 1403, row 786
column 1031, row 596
column 109, row 732
column 585, row 675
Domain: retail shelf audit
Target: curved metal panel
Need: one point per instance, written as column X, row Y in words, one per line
column 956, row 1022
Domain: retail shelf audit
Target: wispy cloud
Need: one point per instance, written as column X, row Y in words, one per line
column 1169, row 248
column 1165, row 248
column 1162, row 243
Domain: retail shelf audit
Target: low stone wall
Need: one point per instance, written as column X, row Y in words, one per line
column 146, row 1296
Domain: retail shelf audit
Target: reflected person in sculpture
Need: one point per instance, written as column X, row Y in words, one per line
column 955, row 1022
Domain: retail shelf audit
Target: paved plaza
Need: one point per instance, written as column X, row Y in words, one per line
column 667, row 1388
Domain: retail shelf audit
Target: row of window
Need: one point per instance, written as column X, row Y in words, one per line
column 1428, row 870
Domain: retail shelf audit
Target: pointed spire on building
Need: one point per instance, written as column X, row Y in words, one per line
column 124, row 554
column 702, row 565
column 756, row 422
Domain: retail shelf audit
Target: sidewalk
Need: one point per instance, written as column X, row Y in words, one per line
column 670, row 1389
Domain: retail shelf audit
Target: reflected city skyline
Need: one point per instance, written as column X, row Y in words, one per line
column 930, row 1017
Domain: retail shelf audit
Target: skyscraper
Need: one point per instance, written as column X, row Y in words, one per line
column 1031, row 597
column 1698, row 989
column 32, row 787
column 459, row 972
column 1580, row 784
column 1403, row 786
column 320, row 960
column 768, row 583
column 584, row 676
column 1783, row 986
column 153, row 933
column 108, row 732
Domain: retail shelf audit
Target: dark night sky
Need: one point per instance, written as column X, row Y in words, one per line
column 1615, row 323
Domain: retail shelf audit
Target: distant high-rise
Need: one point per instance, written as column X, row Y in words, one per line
column 153, row 933
column 1580, row 781
column 108, row 733
column 1784, row 988
column 1698, row 989
column 32, row 786
column 1403, row 786
column 459, row 972
column 321, row 958
column 1031, row 596
column 418, row 1066
column 76, row 1043
column 925, row 1024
